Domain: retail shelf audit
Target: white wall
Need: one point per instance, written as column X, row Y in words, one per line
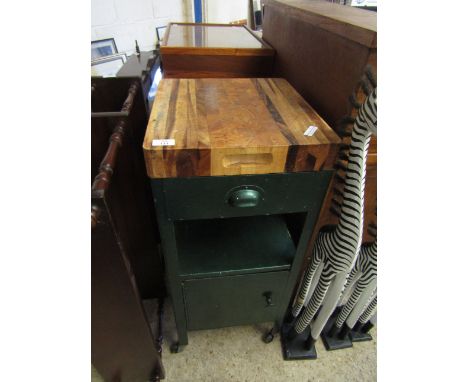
column 225, row 11
column 130, row 20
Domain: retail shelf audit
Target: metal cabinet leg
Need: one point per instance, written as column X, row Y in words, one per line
column 270, row 335
column 169, row 247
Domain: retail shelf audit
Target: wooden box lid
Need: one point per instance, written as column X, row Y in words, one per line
column 358, row 25
column 213, row 39
column 210, row 127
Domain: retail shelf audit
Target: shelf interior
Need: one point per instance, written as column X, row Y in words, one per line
column 219, row 247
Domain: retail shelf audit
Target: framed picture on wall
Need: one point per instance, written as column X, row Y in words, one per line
column 108, row 66
column 160, row 32
column 103, row 48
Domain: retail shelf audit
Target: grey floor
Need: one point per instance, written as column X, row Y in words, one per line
column 238, row 354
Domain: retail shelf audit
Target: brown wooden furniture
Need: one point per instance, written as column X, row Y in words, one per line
column 214, row 50
column 115, row 99
column 233, row 127
column 122, row 344
column 323, row 50
column 142, row 67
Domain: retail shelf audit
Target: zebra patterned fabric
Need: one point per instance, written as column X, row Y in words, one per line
column 366, row 264
column 338, row 249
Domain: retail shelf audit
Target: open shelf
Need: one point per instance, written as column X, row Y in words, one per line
column 221, row 247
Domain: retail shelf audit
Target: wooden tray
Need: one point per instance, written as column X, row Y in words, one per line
column 214, row 50
column 212, row 127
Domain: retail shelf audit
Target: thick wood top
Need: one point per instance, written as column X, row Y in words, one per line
column 352, row 23
column 234, row 126
column 216, row 39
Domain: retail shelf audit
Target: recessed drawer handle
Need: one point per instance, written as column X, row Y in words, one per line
column 245, row 198
column 247, row 160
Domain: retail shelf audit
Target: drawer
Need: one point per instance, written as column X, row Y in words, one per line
column 234, row 300
column 242, row 195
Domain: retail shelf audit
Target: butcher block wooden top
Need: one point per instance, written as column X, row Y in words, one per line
column 211, row 127
column 213, row 39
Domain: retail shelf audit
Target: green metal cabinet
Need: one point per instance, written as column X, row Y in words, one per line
column 233, row 245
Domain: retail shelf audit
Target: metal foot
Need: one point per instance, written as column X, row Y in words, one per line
column 268, row 337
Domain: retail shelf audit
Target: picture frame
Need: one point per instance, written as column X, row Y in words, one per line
column 108, row 66
column 160, row 31
column 103, row 48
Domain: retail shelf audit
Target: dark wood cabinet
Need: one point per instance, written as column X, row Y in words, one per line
column 324, row 49
column 143, row 68
column 125, row 261
column 138, row 220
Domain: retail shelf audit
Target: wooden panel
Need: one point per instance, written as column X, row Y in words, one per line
column 348, row 22
column 321, row 49
column 216, row 66
column 214, row 50
column 135, row 217
column 122, row 344
column 232, row 127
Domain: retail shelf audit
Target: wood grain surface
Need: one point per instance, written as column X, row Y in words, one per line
column 214, row 39
column 234, row 126
column 322, row 49
column 216, row 66
column 348, row 22
column 214, row 51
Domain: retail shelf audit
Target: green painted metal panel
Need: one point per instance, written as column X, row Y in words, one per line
column 219, row 247
column 212, row 197
column 233, row 300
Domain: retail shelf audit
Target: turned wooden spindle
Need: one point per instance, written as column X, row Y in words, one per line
column 102, row 179
column 128, row 103
column 95, row 213
column 93, row 90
